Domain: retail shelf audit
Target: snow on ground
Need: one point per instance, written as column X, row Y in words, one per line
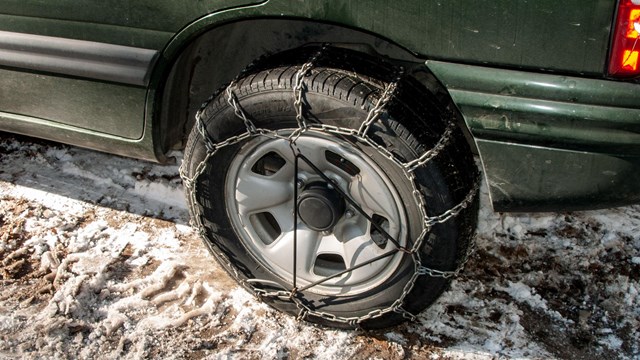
column 98, row 261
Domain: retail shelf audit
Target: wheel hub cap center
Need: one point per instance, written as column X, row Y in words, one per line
column 320, row 207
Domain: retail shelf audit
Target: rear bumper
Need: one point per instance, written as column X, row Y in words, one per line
column 550, row 142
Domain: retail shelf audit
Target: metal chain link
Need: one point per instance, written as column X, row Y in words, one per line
column 423, row 270
column 232, row 100
column 380, row 106
column 298, row 93
column 359, row 135
column 427, row 156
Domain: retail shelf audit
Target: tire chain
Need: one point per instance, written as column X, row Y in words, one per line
column 358, row 135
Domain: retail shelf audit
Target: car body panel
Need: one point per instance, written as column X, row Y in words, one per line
column 500, row 32
column 505, row 33
column 84, row 62
column 140, row 23
column 77, row 58
column 533, row 178
column 79, row 102
column 545, row 110
column 547, row 141
column 528, row 78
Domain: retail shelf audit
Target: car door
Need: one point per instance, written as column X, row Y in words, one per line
column 77, row 64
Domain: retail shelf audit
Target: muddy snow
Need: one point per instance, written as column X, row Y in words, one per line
column 97, row 260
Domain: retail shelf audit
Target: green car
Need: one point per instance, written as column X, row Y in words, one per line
column 330, row 146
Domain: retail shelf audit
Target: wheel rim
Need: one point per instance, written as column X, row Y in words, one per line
column 260, row 190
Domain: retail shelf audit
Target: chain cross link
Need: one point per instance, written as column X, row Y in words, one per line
column 298, row 93
column 380, row 106
column 427, row 156
column 232, row 100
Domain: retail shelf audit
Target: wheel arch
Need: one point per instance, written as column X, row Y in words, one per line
column 198, row 62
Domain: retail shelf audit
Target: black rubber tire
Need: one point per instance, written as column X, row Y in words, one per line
column 343, row 98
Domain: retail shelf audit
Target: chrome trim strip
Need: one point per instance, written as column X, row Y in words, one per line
column 86, row 59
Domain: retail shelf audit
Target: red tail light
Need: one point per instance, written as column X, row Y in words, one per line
column 624, row 60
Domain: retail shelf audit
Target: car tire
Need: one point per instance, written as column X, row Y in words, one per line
column 244, row 195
